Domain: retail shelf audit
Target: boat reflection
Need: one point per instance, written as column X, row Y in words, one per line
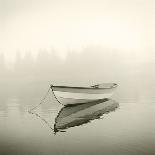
column 71, row 116
column 76, row 115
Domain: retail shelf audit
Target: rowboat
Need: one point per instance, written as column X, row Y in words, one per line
column 68, row 95
column 77, row 115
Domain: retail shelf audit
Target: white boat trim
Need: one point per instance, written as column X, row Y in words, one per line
column 82, row 95
column 88, row 90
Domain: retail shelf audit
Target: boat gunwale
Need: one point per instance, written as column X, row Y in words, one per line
column 91, row 87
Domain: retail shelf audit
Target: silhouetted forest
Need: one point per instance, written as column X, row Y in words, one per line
column 90, row 66
column 48, row 65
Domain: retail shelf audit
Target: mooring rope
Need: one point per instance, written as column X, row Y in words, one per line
column 30, row 111
column 53, row 129
column 54, row 94
column 51, row 87
column 44, row 120
column 37, row 115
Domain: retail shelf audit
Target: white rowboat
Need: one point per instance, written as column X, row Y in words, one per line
column 77, row 95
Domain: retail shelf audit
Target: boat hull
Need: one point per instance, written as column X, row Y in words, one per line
column 79, row 95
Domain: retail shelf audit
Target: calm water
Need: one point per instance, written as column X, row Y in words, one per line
column 127, row 129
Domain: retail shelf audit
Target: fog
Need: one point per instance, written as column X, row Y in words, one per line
column 28, row 76
column 77, row 43
column 72, row 25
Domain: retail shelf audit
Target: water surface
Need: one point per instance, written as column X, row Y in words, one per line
column 126, row 130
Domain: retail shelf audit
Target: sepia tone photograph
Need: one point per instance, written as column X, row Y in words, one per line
column 77, row 77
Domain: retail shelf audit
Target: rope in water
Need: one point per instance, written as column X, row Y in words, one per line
column 53, row 129
column 51, row 87
column 40, row 101
column 43, row 119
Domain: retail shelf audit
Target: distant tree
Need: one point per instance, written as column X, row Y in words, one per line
column 18, row 64
column 2, row 61
column 28, row 64
column 47, row 64
column 41, row 63
column 3, row 68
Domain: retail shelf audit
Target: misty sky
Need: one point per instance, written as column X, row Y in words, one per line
column 30, row 25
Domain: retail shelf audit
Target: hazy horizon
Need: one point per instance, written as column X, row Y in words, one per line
column 73, row 25
column 28, row 75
